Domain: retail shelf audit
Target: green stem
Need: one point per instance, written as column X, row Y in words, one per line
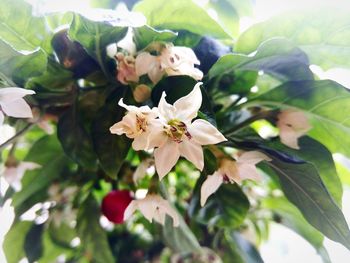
column 16, row 136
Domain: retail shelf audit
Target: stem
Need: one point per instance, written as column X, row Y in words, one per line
column 259, row 116
column 16, row 136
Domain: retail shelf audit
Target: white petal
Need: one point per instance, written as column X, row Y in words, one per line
column 157, row 137
column 192, row 152
column 130, row 209
column 204, row 133
column 144, row 61
column 166, row 157
column 248, row 171
column 210, row 186
column 141, row 142
column 11, row 94
column 2, row 117
column 17, row 108
column 167, row 209
column 252, row 157
column 188, row 106
column 155, row 73
column 130, row 108
column 229, row 168
column 289, row 137
column 166, row 110
column 148, row 207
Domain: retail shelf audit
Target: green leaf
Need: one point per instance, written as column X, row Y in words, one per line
column 277, row 57
column 320, row 101
column 61, row 235
column 243, row 7
column 52, row 161
column 218, row 209
column 33, row 244
column 322, row 33
column 304, row 188
column 145, row 35
column 14, row 241
column 180, row 15
column 315, row 153
column 111, row 149
column 291, row 217
column 94, row 36
column 19, row 28
column 19, row 67
column 75, row 140
column 92, row 235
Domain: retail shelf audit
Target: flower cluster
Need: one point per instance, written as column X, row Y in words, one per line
column 163, row 59
column 169, row 130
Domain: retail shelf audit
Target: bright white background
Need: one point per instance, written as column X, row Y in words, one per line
column 283, row 245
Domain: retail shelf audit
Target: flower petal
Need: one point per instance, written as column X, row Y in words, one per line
column 144, row 61
column 166, row 157
column 166, row 110
column 204, row 133
column 289, row 137
column 2, row 117
column 148, row 207
column 193, row 152
column 8, row 95
column 17, row 108
column 166, row 208
column 130, row 209
column 210, row 186
column 247, row 171
column 252, row 157
column 188, row 106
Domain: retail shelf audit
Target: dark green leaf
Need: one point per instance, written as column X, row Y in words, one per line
column 321, row 101
column 145, row 35
column 180, row 15
column 14, row 241
column 33, row 244
column 277, row 57
column 75, row 140
column 304, row 188
column 219, row 210
column 93, row 237
column 61, row 235
column 94, row 36
column 111, row 149
column 323, row 33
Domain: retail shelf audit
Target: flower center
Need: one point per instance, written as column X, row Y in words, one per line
column 141, row 123
column 176, row 130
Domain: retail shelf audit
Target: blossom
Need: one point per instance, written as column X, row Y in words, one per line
column 13, row 174
column 178, row 136
column 153, row 207
column 172, row 60
column 292, row 124
column 233, row 171
column 126, row 69
column 12, row 103
column 136, row 124
column 141, row 170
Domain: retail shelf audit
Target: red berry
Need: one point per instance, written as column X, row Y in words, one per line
column 114, row 205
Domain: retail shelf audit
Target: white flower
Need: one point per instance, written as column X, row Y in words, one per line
column 126, row 69
column 136, row 124
column 172, row 60
column 13, row 174
column 233, row 171
column 141, row 170
column 179, row 136
column 153, row 207
column 12, row 103
column 292, row 124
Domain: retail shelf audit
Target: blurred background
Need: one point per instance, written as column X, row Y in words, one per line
column 283, row 245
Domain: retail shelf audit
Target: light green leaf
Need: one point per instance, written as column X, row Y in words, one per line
column 92, row 235
column 321, row 101
column 180, row 15
column 19, row 28
column 145, row 35
column 18, row 67
column 14, row 241
column 324, row 34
